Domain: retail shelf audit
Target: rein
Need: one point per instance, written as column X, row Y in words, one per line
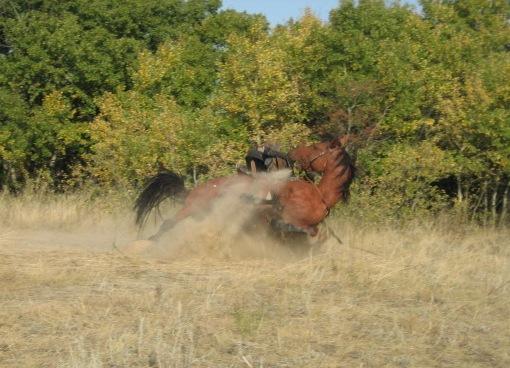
column 327, row 210
column 319, row 155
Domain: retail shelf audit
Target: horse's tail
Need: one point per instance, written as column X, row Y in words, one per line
column 160, row 187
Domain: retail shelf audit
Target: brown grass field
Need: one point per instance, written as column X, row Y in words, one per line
column 423, row 296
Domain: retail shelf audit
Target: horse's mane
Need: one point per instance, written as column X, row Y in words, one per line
column 354, row 171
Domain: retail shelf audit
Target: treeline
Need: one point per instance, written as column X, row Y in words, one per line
column 111, row 91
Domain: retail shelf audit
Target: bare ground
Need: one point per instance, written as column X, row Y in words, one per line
column 434, row 296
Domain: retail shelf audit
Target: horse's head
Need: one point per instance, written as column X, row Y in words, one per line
column 315, row 156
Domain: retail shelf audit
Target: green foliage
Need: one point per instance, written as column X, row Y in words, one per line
column 401, row 184
column 13, row 141
column 115, row 90
column 137, row 135
column 150, row 21
column 56, row 53
column 255, row 84
column 217, row 29
column 84, row 49
column 183, row 69
column 43, row 140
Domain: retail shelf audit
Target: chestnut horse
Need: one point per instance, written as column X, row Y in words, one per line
column 299, row 205
column 305, row 205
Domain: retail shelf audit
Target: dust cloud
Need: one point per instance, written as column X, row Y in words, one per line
column 101, row 235
column 231, row 228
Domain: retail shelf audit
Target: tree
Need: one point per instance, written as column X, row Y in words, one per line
column 83, row 49
column 13, row 140
column 55, row 53
column 184, row 69
column 256, row 87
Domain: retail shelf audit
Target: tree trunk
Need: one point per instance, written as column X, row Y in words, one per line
column 485, row 202
column 461, row 204
column 195, row 179
column 53, row 160
column 13, row 177
column 494, row 205
column 5, row 183
column 504, row 208
column 479, row 200
column 460, row 196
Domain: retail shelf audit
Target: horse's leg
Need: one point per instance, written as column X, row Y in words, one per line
column 286, row 228
column 165, row 226
column 168, row 224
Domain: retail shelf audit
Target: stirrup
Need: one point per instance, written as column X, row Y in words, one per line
column 243, row 170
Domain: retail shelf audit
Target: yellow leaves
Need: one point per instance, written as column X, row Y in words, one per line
column 461, row 109
column 410, row 128
column 288, row 135
column 256, row 84
column 424, row 160
column 56, row 105
column 476, row 94
column 153, row 67
column 132, row 133
column 499, row 71
column 135, row 134
column 309, row 22
column 231, row 153
column 297, row 36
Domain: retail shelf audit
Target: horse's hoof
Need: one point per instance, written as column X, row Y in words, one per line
column 137, row 247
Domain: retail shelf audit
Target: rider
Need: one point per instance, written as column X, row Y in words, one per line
column 260, row 158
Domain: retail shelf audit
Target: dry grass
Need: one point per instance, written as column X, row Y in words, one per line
column 43, row 210
column 422, row 297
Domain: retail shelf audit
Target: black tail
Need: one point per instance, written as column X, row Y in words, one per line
column 160, row 187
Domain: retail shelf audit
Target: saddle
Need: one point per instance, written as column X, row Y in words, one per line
column 262, row 159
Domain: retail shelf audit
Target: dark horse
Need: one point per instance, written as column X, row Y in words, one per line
column 296, row 205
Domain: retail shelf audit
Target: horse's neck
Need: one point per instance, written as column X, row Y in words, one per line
column 301, row 155
column 335, row 178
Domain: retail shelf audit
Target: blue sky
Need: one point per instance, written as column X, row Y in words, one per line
column 279, row 11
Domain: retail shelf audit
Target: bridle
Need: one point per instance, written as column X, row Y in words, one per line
column 319, row 155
